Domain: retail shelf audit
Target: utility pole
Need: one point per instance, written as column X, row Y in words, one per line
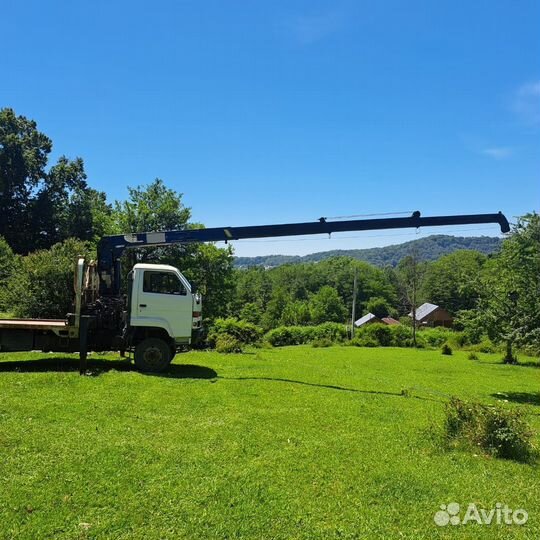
column 353, row 310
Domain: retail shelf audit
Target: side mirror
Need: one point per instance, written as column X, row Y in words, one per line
column 194, row 288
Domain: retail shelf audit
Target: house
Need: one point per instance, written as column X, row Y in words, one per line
column 369, row 318
column 432, row 315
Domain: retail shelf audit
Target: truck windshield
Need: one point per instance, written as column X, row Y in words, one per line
column 162, row 283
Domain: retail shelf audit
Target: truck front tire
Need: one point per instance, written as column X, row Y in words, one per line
column 153, row 355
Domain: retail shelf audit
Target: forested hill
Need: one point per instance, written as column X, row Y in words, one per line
column 428, row 248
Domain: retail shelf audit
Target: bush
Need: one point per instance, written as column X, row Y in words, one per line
column 485, row 346
column 331, row 331
column 298, row 335
column 435, row 337
column 364, row 341
column 288, row 335
column 446, row 349
column 246, row 333
column 472, row 356
column 321, row 342
column 225, row 343
column 401, row 335
column 379, row 333
column 382, row 335
column 501, row 432
column 42, row 286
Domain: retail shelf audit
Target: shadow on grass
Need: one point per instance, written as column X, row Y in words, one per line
column 187, row 371
column 329, row 386
column 521, row 363
column 98, row 366
column 528, row 398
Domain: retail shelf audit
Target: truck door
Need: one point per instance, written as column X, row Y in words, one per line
column 164, row 296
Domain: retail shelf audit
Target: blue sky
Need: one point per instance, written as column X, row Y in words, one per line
column 266, row 112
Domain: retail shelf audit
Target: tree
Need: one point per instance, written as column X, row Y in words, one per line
column 152, row 207
column 275, row 308
column 251, row 313
column 510, row 304
column 409, row 275
column 252, row 286
column 8, row 263
column 39, row 207
column 453, row 281
column 327, row 306
column 296, row 313
column 23, row 158
column 379, row 307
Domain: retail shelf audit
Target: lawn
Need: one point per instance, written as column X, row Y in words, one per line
column 296, row 442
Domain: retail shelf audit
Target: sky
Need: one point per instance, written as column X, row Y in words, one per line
column 285, row 111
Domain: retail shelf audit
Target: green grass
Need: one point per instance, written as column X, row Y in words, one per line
column 296, row 442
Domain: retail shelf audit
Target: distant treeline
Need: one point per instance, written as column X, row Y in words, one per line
column 429, row 248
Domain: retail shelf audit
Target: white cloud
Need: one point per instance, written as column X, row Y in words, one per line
column 527, row 102
column 498, row 152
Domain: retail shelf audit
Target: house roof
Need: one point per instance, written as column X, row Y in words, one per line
column 389, row 320
column 365, row 319
column 424, row 310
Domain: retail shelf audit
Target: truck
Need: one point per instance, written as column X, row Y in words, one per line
column 160, row 311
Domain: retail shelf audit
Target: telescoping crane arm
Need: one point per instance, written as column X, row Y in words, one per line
column 111, row 248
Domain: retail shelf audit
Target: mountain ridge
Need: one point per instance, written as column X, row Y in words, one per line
column 429, row 248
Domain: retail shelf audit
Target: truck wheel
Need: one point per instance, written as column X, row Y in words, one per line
column 153, row 354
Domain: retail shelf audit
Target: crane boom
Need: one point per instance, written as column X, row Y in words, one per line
column 111, row 248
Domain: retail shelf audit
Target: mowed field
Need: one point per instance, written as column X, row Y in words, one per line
column 296, row 442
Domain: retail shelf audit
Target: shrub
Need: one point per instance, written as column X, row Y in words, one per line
column 379, row 307
column 485, row 346
column 225, row 343
column 298, row 335
column 501, row 432
column 288, row 335
column 401, row 335
column 379, row 333
column 321, row 342
column 446, row 349
column 42, row 286
column 364, row 341
column 330, row 330
column 246, row 333
column 472, row 356
column 435, row 337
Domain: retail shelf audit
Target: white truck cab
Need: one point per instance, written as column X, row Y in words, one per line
column 163, row 307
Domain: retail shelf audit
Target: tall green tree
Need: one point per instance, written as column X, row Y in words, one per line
column 454, row 280
column 326, row 306
column 42, row 207
column 8, row 263
column 510, row 305
column 23, row 158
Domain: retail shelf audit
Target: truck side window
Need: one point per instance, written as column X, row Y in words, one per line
column 162, row 283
